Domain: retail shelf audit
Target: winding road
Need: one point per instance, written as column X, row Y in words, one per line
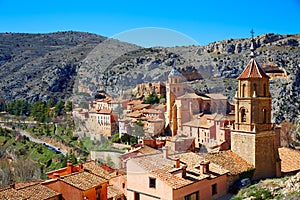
column 38, row 141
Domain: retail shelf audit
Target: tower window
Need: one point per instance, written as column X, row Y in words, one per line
column 264, row 115
column 265, row 90
column 243, row 90
column 254, row 89
column 243, row 115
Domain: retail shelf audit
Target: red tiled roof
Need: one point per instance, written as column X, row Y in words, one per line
column 290, row 159
column 113, row 192
column 229, row 161
column 38, row 192
column 83, row 180
column 96, row 169
column 11, row 194
column 253, row 70
column 163, row 169
column 104, row 111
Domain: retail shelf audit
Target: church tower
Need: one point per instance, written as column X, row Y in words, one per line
column 253, row 137
column 175, row 87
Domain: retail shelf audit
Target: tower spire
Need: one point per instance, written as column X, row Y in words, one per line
column 252, row 49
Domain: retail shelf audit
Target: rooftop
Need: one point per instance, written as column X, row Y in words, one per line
column 189, row 96
column 253, row 70
column 96, row 169
column 202, row 122
column 216, row 96
column 83, row 180
column 290, row 159
column 230, row 161
column 37, row 192
column 174, row 72
column 9, row 193
column 164, row 169
column 113, row 192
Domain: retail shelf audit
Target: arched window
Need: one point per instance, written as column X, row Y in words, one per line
column 243, row 115
column 243, row 90
column 265, row 90
column 264, row 115
column 254, row 89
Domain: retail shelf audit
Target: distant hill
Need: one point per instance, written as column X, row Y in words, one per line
column 74, row 65
column 40, row 66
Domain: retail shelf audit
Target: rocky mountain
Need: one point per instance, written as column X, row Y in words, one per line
column 40, row 66
column 72, row 65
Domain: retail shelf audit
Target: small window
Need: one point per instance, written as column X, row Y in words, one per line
column 123, row 185
column 243, row 90
column 136, row 196
column 264, row 116
column 265, row 90
column 243, row 115
column 214, row 189
column 152, row 182
column 193, row 196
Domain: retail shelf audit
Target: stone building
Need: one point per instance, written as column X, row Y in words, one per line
column 253, row 137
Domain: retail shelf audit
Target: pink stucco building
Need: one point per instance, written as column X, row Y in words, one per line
column 178, row 177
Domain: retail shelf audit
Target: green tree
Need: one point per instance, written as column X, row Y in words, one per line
column 69, row 106
column 59, row 107
column 152, row 98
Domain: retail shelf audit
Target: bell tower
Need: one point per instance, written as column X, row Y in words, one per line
column 253, row 137
column 175, row 87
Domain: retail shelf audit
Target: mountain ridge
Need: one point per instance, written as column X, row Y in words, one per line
column 74, row 65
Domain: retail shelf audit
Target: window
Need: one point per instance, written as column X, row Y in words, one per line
column 254, row 89
column 193, row 196
column 123, row 185
column 152, row 182
column 264, row 115
column 243, row 90
column 243, row 115
column 214, row 189
column 136, row 196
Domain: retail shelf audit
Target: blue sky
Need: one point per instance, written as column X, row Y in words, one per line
column 199, row 22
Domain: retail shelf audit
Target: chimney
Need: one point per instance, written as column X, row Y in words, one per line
column 183, row 171
column 204, row 166
column 13, row 185
column 177, row 163
column 69, row 167
column 165, row 152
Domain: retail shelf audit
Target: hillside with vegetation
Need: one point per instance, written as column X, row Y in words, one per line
column 75, row 65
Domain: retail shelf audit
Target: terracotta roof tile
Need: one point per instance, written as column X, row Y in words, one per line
column 11, row 194
column 20, row 185
column 163, row 169
column 113, row 192
column 38, row 192
column 290, row 159
column 96, row 169
column 201, row 122
column 229, row 161
column 83, row 180
column 253, row 70
column 104, row 111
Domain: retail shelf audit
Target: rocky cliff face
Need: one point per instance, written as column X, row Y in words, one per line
column 72, row 65
column 40, row 66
